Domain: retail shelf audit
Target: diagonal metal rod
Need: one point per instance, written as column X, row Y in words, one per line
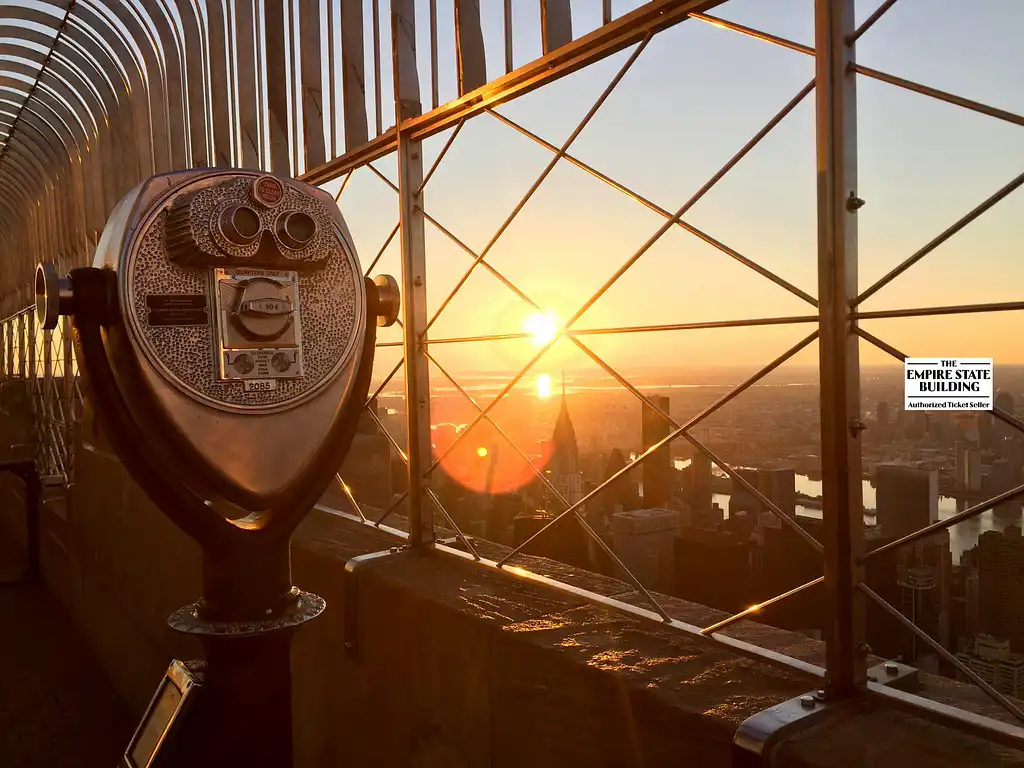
column 387, row 380
column 344, row 184
column 383, row 248
column 941, row 238
column 689, row 424
column 543, row 175
column 390, row 438
column 900, row 82
column 557, row 494
column 690, row 203
column 942, row 525
column 439, row 158
column 720, row 625
column 652, row 206
column 882, row 345
column 401, row 452
column 382, row 177
column 390, row 510
column 935, row 93
column 870, row 21
column 348, row 494
column 999, row 413
column 458, row 531
column 995, row 695
column 721, row 23
column 735, row 476
column 957, row 309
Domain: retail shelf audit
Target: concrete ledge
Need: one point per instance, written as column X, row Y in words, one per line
column 461, row 666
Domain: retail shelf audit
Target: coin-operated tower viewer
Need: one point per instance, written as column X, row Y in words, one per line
column 225, row 333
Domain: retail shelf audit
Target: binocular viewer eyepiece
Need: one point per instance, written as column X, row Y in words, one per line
column 225, row 333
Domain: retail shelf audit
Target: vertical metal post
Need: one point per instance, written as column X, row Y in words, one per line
column 46, row 409
column 22, row 351
column 68, row 397
column 839, row 348
column 31, row 384
column 414, row 270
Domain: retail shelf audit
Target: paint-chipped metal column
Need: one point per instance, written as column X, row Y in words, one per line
column 839, row 357
column 414, row 277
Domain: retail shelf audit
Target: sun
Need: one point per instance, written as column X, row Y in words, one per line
column 544, row 386
column 542, row 327
column 481, row 452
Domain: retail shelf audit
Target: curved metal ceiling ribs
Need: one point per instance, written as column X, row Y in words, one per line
column 97, row 95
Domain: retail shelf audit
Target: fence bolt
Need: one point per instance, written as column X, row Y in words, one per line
column 853, row 202
column 807, row 701
column 857, row 426
column 891, row 668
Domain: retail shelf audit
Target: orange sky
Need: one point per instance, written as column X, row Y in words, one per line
column 923, row 165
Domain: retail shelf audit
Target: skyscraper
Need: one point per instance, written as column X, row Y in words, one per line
column 621, row 494
column 1000, row 596
column 991, row 659
column 882, row 414
column 907, row 498
column 697, row 488
column 643, row 539
column 565, row 457
column 564, row 467
column 778, row 485
column 968, row 466
column 924, row 576
column 657, row 469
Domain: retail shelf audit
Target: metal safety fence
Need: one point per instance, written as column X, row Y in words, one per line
column 113, row 92
column 41, row 364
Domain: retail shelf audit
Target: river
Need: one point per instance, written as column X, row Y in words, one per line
column 961, row 536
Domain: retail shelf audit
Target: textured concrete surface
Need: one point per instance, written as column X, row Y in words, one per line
column 456, row 665
column 57, row 706
column 865, row 737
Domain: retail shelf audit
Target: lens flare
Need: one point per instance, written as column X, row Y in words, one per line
column 544, row 386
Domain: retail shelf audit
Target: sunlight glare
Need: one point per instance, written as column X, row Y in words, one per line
column 544, row 386
column 542, row 327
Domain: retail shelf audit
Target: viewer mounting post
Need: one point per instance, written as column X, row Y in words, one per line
column 842, row 503
column 202, row 336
